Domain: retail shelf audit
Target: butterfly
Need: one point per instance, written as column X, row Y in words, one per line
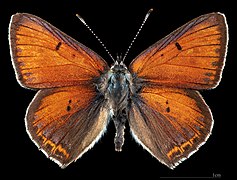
column 157, row 94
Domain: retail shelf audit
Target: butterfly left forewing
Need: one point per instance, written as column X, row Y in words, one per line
column 45, row 57
column 65, row 122
column 170, row 123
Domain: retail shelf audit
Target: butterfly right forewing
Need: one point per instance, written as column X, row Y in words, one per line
column 192, row 56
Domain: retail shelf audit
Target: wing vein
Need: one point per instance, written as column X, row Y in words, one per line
column 51, row 113
column 194, row 67
column 170, row 38
column 173, row 100
column 177, row 55
column 50, row 37
column 38, row 38
column 203, row 45
column 57, row 53
column 198, row 30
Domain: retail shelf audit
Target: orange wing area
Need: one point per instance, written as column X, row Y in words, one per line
column 45, row 57
column 65, row 122
column 170, row 123
column 191, row 57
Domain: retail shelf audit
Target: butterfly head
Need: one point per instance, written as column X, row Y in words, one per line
column 118, row 66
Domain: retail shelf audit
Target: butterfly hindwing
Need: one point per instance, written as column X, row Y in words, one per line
column 170, row 123
column 45, row 57
column 65, row 122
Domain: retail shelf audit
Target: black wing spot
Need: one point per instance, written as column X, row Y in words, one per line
column 162, row 55
column 167, row 102
column 69, row 108
column 178, row 46
column 58, row 46
column 168, row 109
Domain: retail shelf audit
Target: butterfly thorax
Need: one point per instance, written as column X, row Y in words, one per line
column 115, row 86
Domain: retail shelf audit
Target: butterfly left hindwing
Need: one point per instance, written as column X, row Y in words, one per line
column 65, row 122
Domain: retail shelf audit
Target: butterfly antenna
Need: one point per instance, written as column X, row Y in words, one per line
column 84, row 22
column 139, row 30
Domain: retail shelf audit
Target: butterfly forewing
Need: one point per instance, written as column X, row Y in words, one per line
column 193, row 56
column 45, row 57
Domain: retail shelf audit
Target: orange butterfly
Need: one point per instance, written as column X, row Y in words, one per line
column 157, row 94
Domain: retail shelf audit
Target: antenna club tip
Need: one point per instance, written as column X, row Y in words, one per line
column 148, row 13
column 150, row 10
column 81, row 19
